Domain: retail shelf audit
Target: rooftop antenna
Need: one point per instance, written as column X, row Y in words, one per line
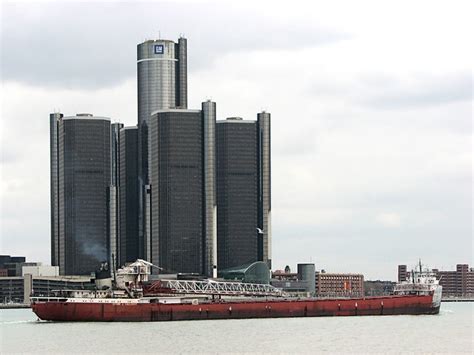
column 159, row 34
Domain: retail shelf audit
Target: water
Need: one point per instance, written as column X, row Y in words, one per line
column 449, row 332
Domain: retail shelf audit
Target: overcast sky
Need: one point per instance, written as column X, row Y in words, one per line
column 371, row 107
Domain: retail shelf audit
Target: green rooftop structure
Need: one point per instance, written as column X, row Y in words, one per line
column 256, row 272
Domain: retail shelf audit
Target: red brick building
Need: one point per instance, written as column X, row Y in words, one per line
column 339, row 285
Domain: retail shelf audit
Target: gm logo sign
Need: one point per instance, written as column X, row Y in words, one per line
column 159, row 49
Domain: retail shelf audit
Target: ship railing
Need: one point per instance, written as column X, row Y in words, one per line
column 35, row 299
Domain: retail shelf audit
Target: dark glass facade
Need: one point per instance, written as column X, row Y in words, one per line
column 178, row 178
column 54, row 185
column 128, row 196
column 162, row 84
column 209, row 188
column 243, row 191
column 237, row 193
column 114, row 201
column 80, row 192
column 256, row 272
column 265, row 187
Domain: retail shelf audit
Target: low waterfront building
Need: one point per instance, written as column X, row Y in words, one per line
column 378, row 287
column 40, row 270
column 303, row 282
column 256, row 272
column 291, row 286
column 11, row 265
column 339, row 285
column 284, row 276
column 19, row 289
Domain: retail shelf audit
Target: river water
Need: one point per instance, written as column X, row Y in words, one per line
column 449, row 332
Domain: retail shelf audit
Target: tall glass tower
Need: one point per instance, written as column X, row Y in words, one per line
column 243, row 191
column 162, row 84
column 183, row 191
column 80, row 186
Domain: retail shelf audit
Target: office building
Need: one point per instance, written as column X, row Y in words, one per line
column 457, row 283
column 80, row 189
column 243, row 191
column 402, row 273
column 128, row 243
column 339, row 285
column 11, row 265
column 162, row 84
column 54, row 118
column 182, row 190
column 151, row 191
column 114, row 201
column 162, row 76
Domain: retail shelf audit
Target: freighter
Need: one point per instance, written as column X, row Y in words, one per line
column 135, row 298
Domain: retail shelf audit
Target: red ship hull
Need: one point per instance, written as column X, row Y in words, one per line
column 90, row 311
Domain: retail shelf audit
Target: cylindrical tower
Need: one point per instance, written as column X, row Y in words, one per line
column 264, row 151
column 210, row 209
column 156, row 65
column 161, row 84
column 113, row 191
column 54, row 119
column 182, row 80
column 307, row 273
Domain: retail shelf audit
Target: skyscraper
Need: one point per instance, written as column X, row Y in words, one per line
column 182, row 189
column 243, row 191
column 54, row 119
column 162, row 76
column 80, row 185
column 128, row 243
column 162, row 84
column 114, row 200
column 265, row 187
column 163, row 180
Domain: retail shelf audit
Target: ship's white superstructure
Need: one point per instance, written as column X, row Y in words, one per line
column 421, row 282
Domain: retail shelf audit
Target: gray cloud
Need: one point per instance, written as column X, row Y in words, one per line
column 421, row 91
column 390, row 92
column 76, row 45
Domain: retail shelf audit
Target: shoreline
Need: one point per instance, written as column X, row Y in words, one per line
column 14, row 305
